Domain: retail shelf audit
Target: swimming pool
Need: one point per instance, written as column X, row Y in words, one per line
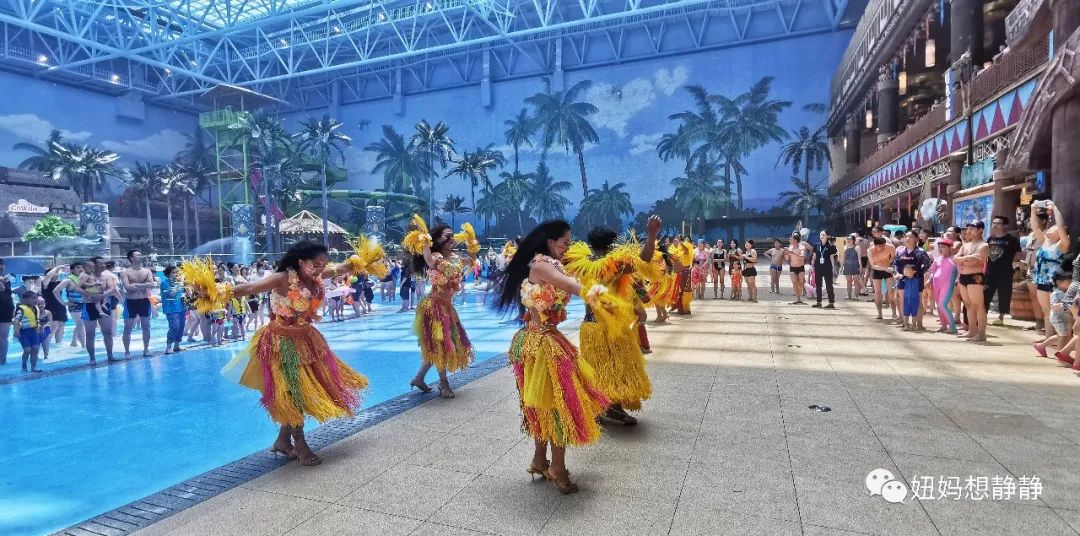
column 91, row 440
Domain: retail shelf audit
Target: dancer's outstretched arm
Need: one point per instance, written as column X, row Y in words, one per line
column 276, row 280
column 652, row 231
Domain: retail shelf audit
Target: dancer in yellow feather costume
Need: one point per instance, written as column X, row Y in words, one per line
column 443, row 341
column 615, row 352
column 681, row 253
column 288, row 360
column 559, row 396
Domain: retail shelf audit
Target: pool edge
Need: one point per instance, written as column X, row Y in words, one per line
column 155, row 507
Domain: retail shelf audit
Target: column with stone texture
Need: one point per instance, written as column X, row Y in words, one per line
column 94, row 224
column 1065, row 129
column 966, row 30
column 888, row 109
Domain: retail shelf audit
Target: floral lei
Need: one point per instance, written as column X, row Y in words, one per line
column 544, row 298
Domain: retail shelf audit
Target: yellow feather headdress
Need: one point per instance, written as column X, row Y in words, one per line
column 467, row 236
column 683, row 253
column 578, row 262
column 416, row 240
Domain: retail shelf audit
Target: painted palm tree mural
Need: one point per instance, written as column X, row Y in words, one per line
column 173, row 183
column 698, row 195
column 404, row 169
column 454, row 205
column 433, row 142
column 44, row 156
column 607, row 205
column 85, row 168
column 563, row 120
column 144, row 182
column 475, row 168
column 321, row 139
column 805, row 197
column 544, row 197
column 519, row 132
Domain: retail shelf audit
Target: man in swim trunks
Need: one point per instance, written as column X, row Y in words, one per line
column 137, row 280
column 796, row 255
column 971, row 264
column 99, row 288
column 881, row 253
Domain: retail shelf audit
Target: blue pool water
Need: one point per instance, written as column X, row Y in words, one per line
column 91, row 440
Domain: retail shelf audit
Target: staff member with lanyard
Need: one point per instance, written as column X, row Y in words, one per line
column 824, row 258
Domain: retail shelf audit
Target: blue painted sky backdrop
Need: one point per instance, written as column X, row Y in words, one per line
column 634, row 99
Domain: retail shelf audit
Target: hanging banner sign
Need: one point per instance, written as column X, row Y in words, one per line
column 23, row 206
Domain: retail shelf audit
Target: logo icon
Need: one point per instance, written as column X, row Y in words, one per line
column 882, row 482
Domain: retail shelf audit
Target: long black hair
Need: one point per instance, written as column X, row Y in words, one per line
column 518, row 269
column 304, row 250
column 419, row 265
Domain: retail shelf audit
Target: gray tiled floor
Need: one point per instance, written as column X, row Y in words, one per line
column 727, row 445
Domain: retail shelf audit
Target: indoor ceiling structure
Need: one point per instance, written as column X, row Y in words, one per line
column 310, row 53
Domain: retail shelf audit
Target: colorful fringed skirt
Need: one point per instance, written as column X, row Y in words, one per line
column 442, row 338
column 298, row 375
column 618, row 363
column 558, row 393
column 681, row 292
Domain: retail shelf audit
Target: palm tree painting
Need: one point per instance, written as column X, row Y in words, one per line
column 515, row 188
column 85, row 167
column 810, row 150
column 698, row 195
column 44, row 158
column 474, row 167
column 172, row 182
column 563, row 120
column 144, row 180
column 320, row 138
column 607, row 205
column 544, row 196
column 402, row 167
column 805, row 198
column 750, row 121
column 435, row 143
column 519, row 131
column 454, row 205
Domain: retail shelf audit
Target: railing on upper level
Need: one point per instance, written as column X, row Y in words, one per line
column 1009, row 69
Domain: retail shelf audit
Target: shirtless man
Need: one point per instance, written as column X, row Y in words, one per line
column 881, row 253
column 796, row 255
column 99, row 288
column 971, row 263
column 862, row 245
column 137, row 280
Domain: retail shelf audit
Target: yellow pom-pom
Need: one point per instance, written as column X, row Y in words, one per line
column 615, row 313
column 467, row 236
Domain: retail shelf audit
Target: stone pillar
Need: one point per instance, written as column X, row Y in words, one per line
column 375, row 222
column 966, row 30
column 1065, row 130
column 853, row 138
column 888, row 109
column 94, row 224
column 243, row 233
